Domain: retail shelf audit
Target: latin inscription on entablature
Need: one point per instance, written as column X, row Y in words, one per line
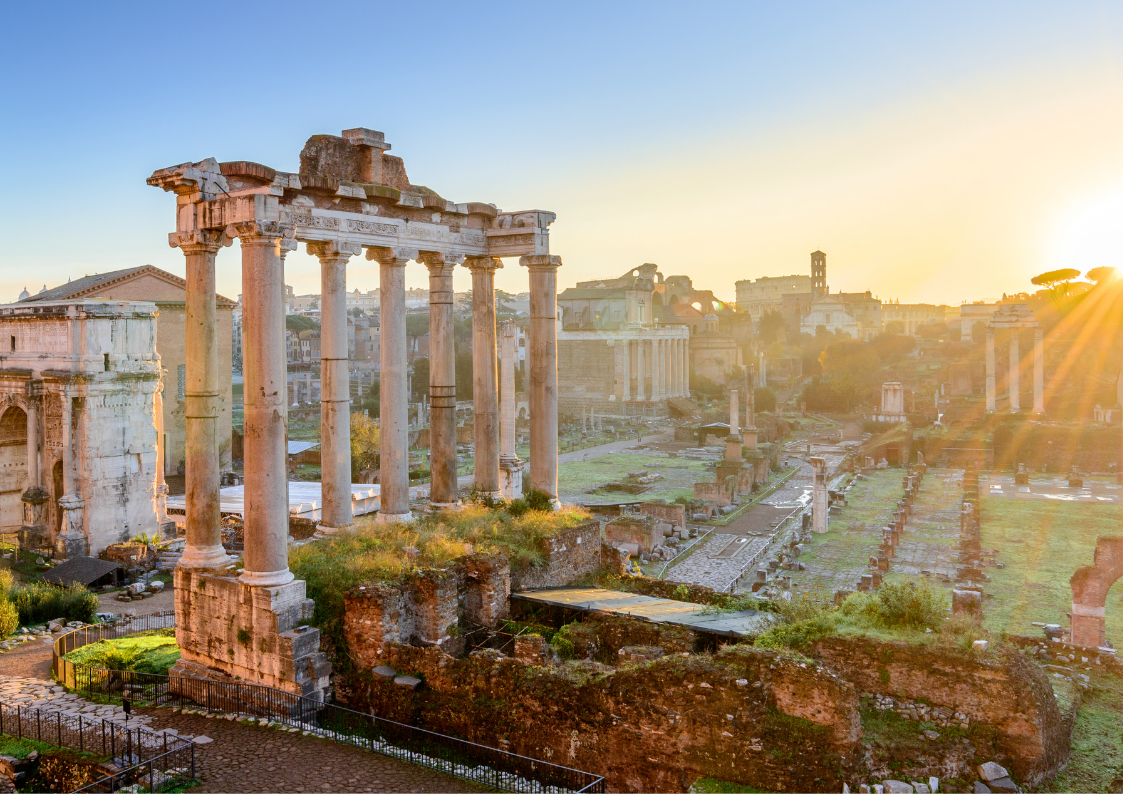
column 372, row 227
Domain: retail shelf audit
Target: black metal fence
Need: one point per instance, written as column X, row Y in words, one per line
column 155, row 760
column 460, row 758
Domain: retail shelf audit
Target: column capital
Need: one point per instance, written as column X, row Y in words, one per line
column 437, row 260
column 260, row 232
column 199, row 241
column 483, row 263
column 396, row 256
column 333, row 249
column 541, row 261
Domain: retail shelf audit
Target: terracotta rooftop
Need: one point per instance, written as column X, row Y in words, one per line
column 91, row 286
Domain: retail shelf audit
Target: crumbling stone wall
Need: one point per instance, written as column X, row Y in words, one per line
column 674, row 514
column 743, row 714
column 997, row 688
column 569, row 555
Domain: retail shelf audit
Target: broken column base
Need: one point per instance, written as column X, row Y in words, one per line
column 69, row 547
column 511, row 478
column 34, row 538
column 227, row 630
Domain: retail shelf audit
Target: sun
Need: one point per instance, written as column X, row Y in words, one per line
column 1089, row 233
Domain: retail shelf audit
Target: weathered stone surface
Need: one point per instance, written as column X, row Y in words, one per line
column 992, row 771
column 1001, row 689
column 664, row 709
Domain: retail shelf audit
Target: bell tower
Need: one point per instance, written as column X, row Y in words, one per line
column 818, row 275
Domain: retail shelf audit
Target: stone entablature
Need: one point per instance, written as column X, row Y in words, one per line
column 85, row 377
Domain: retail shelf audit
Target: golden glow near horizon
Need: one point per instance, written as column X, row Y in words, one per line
column 959, row 196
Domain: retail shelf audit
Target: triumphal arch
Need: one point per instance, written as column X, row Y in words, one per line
column 350, row 198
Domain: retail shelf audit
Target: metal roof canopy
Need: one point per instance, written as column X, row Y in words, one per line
column 654, row 610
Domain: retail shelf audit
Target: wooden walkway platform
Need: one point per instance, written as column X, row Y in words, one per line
column 656, row 610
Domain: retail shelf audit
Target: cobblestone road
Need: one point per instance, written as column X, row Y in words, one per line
column 246, row 757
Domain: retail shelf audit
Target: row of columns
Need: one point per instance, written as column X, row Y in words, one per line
column 1014, row 377
column 264, row 245
column 665, row 361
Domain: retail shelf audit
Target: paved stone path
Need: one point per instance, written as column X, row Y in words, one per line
column 248, row 757
column 930, row 540
column 50, row 696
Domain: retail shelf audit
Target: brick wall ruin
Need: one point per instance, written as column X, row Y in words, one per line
column 569, row 555
column 997, row 688
column 742, row 714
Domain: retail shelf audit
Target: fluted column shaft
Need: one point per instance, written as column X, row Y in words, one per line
column 443, row 490
column 641, row 376
column 335, row 387
column 543, row 371
column 686, row 366
column 485, row 374
column 991, row 396
column 393, row 385
column 624, row 351
column 201, row 396
column 1015, row 374
column 266, row 486
column 32, row 441
column 1038, row 371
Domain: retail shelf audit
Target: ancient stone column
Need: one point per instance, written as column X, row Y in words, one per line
column 32, row 438
column 510, row 467
column 71, row 541
column 657, row 372
column 335, row 386
column 1015, row 374
column 485, row 376
column 543, row 357
column 819, row 496
column 734, row 413
column 442, row 383
column 393, row 384
column 686, row 367
column 676, row 363
column 624, row 359
column 990, row 371
column 266, row 485
column 201, row 446
column 1038, row 371
column 641, row 376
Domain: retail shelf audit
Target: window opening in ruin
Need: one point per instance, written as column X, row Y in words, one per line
column 13, row 344
column 106, row 362
column 181, row 382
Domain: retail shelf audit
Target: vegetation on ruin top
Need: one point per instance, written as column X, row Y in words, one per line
column 375, row 552
column 1097, row 740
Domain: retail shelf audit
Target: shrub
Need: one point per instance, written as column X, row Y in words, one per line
column 899, row 605
column 39, row 602
column 538, row 500
column 798, row 634
column 518, row 507
column 9, row 617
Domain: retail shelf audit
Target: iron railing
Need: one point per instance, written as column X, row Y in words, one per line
column 460, row 758
column 156, row 760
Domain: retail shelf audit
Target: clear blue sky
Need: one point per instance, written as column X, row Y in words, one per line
column 934, row 151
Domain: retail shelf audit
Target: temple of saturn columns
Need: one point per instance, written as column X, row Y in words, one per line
column 349, row 197
column 1014, row 317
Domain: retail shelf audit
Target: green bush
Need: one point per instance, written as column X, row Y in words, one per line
column 899, row 605
column 798, row 634
column 9, row 617
column 518, row 507
column 538, row 500
column 39, row 602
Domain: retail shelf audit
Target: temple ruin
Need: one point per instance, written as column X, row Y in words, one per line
column 349, row 197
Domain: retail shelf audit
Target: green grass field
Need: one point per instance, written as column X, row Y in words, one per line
column 150, row 652
column 577, row 478
column 1041, row 544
